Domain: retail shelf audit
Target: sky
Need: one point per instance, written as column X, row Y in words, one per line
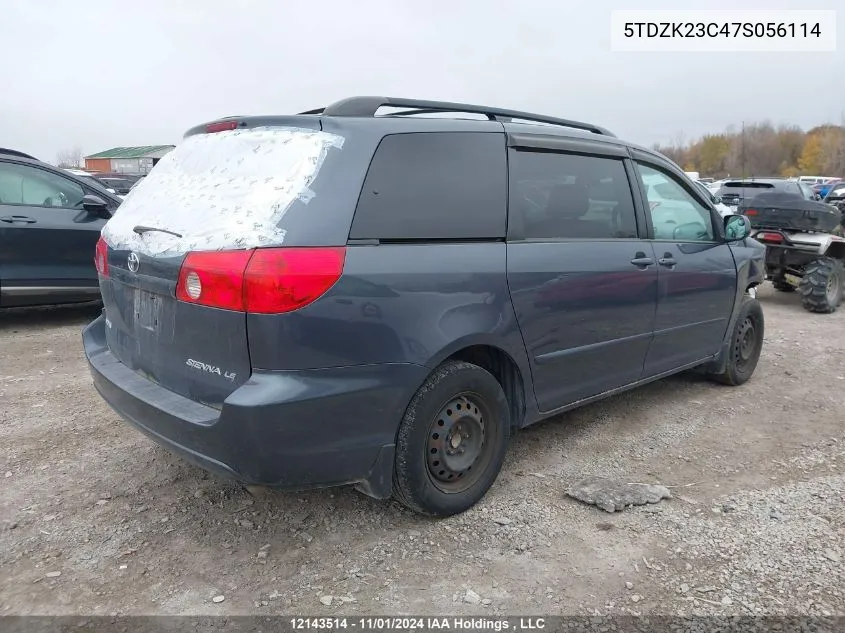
column 98, row 74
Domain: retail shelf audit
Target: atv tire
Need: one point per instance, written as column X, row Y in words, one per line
column 783, row 285
column 821, row 285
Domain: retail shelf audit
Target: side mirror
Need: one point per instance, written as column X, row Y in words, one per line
column 737, row 227
column 96, row 206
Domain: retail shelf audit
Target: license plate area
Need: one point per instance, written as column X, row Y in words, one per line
column 147, row 309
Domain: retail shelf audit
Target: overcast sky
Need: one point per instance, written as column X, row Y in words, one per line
column 105, row 73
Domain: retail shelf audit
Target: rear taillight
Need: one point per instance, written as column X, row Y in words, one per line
column 221, row 126
column 101, row 257
column 214, row 279
column 769, row 237
column 264, row 281
column 751, row 212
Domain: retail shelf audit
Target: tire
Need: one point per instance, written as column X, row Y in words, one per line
column 746, row 345
column 821, row 285
column 783, row 286
column 460, row 404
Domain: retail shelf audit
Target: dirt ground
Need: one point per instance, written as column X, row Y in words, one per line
column 97, row 519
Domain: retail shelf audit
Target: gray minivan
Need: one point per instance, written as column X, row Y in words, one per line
column 350, row 297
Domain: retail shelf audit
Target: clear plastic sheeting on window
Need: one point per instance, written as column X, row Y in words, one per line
column 224, row 190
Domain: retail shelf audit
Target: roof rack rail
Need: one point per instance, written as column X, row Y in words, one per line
column 14, row 152
column 368, row 106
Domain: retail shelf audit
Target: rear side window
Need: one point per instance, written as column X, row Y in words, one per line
column 434, row 185
column 566, row 196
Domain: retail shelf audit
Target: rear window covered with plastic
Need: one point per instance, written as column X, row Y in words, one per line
column 225, row 190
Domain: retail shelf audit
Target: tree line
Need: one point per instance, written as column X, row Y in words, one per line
column 762, row 149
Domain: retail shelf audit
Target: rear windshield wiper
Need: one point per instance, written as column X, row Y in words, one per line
column 140, row 230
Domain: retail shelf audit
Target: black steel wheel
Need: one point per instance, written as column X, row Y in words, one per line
column 746, row 343
column 457, row 443
column 452, row 440
column 821, row 285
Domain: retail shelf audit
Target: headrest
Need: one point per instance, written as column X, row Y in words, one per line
column 568, row 201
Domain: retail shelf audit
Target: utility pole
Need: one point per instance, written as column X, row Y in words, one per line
column 742, row 150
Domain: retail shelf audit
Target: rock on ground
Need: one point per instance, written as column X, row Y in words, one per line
column 613, row 496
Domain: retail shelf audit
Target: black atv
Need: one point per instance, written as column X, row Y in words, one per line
column 805, row 249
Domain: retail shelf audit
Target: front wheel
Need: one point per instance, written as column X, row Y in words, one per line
column 452, row 441
column 821, row 285
column 746, row 344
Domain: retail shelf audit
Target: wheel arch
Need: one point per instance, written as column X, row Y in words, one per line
column 510, row 368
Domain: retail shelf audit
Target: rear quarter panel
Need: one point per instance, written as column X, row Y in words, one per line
column 398, row 304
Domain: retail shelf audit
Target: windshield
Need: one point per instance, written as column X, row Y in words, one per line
column 222, row 190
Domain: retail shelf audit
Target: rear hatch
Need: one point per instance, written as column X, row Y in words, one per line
column 173, row 261
column 196, row 351
column 734, row 193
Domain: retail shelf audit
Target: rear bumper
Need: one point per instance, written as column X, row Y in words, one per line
column 286, row 429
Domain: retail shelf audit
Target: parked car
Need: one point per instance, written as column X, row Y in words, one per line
column 50, row 221
column 90, row 178
column 824, row 189
column 836, row 197
column 133, row 178
column 813, row 180
column 339, row 297
column 733, row 192
column 121, row 185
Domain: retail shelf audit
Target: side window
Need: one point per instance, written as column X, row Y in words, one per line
column 568, row 196
column 675, row 213
column 434, row 185
column 27, row 185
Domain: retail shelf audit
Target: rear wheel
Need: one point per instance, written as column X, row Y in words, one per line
column 746, row 345
column 783, row 285
column 452, row 441
column 821, row 285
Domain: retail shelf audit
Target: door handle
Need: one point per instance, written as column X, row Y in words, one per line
column 667, row 260
column 640, row 260
column 17, row 219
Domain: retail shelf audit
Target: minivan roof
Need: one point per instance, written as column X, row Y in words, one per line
column 354, row 109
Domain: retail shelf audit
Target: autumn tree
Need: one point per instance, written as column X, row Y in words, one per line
column 761, row 149
column 712, row 153
column 811, row 161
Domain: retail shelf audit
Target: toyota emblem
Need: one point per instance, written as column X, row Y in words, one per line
column 133, row 262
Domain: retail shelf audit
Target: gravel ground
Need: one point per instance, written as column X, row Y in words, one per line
column 96, row 519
